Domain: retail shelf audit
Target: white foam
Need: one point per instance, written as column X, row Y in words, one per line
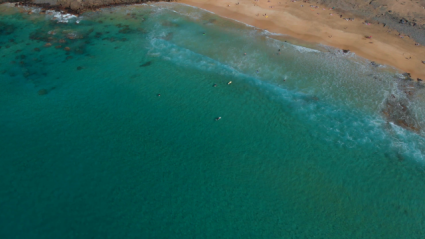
column 272, row 33
column 61, row 17
column 201, row 9
column 302, row 49
column 51, row 14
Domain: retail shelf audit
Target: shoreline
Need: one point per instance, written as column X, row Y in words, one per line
column 318, row 26
column 305, row 33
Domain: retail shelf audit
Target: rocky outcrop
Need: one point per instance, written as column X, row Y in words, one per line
column 407, row 17
column 397, row 108
column 78, row 6
column 81, row 5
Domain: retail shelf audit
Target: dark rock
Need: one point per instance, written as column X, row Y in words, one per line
column 407, row 76
column 374, row 64
column 345, row 51
column 20, row 57
column 42, row 92
column 396, row 107
column 6, row 29
column 419, row 79
column 146, row 64
column 403, row 21
column 125, row 31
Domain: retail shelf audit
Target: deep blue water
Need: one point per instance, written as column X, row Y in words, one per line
column 89, row 150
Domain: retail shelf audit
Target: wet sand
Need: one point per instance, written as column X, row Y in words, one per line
column 325, row 26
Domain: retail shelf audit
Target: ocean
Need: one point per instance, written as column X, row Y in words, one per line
column 109, row 129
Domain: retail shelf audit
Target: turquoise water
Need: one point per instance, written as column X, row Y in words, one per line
column 302, row 150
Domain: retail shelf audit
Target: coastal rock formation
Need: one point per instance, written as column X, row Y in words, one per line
column 77, row 6
column 407, row 17
column 397, row 108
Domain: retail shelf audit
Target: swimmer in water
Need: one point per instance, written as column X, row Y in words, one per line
column 158, row 95
column 215, row 85
column 218, row 118
column 230, row 82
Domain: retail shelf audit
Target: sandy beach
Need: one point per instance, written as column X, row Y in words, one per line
column 317, row 24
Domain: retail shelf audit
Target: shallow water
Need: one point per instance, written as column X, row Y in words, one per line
column 302, row 149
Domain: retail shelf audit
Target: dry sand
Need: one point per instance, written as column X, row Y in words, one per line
column 323, row 25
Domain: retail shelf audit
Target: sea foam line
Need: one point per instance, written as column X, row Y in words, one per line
column 62, row 17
